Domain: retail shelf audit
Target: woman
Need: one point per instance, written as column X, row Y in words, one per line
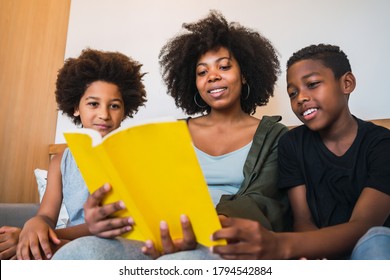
column 222, row 71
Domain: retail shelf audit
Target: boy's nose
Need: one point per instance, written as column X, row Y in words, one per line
column 303, row 97
column 104, row 114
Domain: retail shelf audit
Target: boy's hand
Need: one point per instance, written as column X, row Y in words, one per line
column 246, row 240
column 9, row 237
column 36, row 238
column 188, row 242
column 97, row 216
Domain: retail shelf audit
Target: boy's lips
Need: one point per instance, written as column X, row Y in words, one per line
column 309, row 113
column 102, row 126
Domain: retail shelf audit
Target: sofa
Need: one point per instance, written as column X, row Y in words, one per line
column 16, row 214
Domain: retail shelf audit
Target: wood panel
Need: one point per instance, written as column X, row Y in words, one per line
column 32, row 48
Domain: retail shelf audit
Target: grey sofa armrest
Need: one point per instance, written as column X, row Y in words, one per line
column 16, row 214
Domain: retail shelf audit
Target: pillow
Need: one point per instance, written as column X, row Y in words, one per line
column 41, row 177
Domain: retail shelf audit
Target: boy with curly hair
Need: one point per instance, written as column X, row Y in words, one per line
column 97, row 90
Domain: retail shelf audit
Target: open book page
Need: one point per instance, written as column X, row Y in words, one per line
column 153, row 168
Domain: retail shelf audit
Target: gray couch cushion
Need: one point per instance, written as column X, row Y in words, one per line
column 16, row 214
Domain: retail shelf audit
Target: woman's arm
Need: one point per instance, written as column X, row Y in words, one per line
column 259, row 197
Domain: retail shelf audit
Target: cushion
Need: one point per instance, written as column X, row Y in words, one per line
column 41, row 177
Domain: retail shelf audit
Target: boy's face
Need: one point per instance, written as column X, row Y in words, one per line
column 317, row 98
column 101, row 107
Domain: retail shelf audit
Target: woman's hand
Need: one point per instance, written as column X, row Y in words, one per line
column 9, row 237
column 36, row 240
column 246, row 239
column 169, row 246
column 98, row 217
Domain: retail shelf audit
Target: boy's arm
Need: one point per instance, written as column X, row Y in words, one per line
column 73, row 232
column 9, row 237
column 38, row 232
column 371, row 209
column 251, row 241
column 52, row 199
column 302, row 217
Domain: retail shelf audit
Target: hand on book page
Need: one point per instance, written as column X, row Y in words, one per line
column 154, row 170
column 169, row 246
column 98, row 216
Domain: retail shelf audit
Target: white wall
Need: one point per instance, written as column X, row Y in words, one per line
column 140, row 28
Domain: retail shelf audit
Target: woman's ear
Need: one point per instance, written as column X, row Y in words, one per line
column 348, row 82
column 243, row 80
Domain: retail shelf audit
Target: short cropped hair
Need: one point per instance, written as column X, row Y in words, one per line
column 330, row 56
column 92, row 65
column 256, row 56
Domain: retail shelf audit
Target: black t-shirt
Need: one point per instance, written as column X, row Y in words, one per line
column 333, row 183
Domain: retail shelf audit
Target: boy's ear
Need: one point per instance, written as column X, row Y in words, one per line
column 348, row 82
column 76, row 112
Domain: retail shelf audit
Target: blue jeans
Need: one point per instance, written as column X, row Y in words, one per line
column 95, row 248
column 374, row 245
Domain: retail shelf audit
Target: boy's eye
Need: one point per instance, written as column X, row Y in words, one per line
column 93, row 104
column 312, row 84
column 292, row 93
column 115, row 106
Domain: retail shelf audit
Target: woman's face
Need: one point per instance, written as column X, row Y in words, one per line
column 218, row 79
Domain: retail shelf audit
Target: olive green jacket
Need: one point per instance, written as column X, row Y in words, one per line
column 259, row 198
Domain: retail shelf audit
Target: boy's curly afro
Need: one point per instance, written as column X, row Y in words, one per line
column 93, row 65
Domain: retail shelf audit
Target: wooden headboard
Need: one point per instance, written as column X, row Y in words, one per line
column 381, row 122
column 58, row 148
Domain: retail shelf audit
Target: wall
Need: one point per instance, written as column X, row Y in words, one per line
column 140, row 28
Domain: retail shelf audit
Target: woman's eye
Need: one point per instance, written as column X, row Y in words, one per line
column 225, row 67
column 202, row 73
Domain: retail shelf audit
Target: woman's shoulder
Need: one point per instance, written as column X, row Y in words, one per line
column 272, row 124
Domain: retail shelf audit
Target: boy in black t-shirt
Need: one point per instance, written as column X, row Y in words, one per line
column 335, row 167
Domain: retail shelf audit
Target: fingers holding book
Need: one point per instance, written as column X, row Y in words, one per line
column 99, row 218
column 187, row 242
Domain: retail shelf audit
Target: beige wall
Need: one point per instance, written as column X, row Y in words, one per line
column 32, row 47
column 140, row 28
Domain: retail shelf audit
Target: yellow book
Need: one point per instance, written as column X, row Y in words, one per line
column 153, row 168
